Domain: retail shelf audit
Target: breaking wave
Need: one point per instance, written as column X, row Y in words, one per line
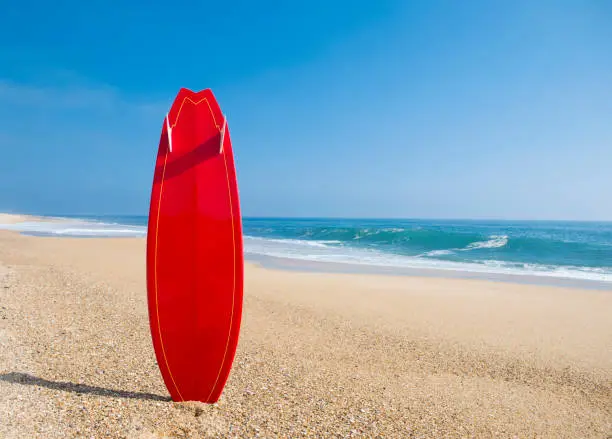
column 557, row 249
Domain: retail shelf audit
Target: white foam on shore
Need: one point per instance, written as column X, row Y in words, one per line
column 293, row 249
column 75, row 227
column 323, row 251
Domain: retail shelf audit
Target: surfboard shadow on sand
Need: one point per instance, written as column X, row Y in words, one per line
column 29, row 380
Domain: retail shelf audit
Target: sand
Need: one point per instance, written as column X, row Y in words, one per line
column 7, row 218
column 320, row 355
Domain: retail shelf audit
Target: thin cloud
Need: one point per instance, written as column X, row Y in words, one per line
column 13, row 93
column 99, row 97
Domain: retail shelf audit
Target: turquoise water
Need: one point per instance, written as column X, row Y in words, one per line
column 566, row 249
column 580, row 250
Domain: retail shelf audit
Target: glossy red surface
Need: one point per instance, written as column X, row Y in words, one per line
column 194, row 251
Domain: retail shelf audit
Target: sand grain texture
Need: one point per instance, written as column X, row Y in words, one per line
column 320, row 355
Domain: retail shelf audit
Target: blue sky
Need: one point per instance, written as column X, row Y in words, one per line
column 441, row 109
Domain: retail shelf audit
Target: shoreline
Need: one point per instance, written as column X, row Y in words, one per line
column 304, row 265
column 298, row 265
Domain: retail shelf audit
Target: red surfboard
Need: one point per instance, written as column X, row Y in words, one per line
column 194, row 250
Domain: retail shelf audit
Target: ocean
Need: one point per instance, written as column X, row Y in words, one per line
column 570, row 250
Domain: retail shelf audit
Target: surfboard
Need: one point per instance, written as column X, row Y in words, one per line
column 194, row 250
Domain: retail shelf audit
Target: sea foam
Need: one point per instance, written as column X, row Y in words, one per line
column 76, row 228
column 305, row 251
column 528, row 249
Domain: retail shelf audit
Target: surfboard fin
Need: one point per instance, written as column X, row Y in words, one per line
column 169, row 131
column 222, row 134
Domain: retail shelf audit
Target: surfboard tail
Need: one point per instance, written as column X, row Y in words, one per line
column 221, row 131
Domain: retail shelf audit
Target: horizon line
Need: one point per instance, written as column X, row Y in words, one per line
column 277, row 217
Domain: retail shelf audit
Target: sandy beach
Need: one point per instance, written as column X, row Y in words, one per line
column 6, row 218
column 320, row 354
